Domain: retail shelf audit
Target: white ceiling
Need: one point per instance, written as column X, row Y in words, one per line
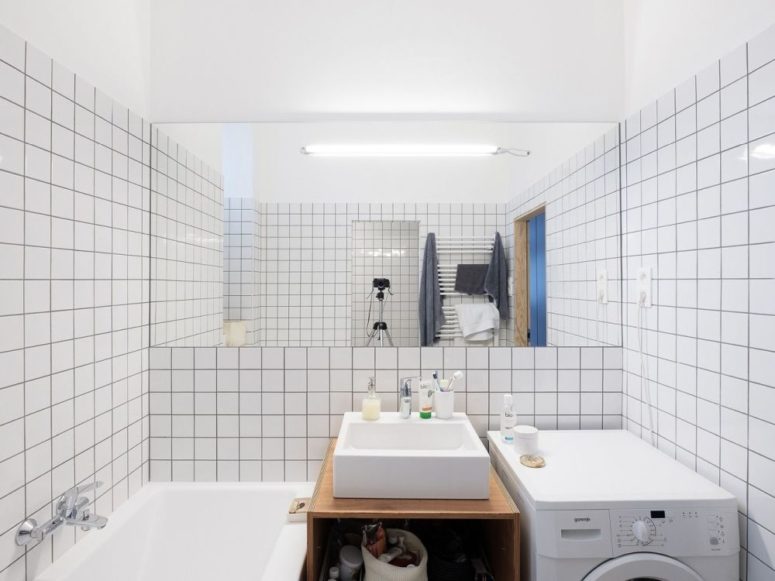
column 279, row 60
column 270, row 60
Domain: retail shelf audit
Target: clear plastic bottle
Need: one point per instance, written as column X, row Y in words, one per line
column 371, row 406
column 508, row 419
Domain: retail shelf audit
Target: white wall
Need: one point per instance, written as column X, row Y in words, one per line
column 73, row 352
column 283, row 174
column 204, row 140
column 667, row 41
column 263, row 60
column 698, row 205
column 106, row 41
column 238, row 155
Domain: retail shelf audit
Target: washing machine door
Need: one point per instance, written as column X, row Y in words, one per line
column 642, row 567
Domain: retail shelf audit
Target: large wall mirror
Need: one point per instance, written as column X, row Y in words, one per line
column 299, row 234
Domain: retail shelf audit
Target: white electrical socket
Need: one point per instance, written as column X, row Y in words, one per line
column 602, row 286
column 643, row 298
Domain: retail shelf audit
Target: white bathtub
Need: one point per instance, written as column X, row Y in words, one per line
column 193, row 532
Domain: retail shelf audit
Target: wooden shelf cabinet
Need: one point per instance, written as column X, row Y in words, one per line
column 497, row 516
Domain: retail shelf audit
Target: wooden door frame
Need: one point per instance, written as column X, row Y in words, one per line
column 522, row 277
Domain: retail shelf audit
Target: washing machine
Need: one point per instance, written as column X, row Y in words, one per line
column 609, row 507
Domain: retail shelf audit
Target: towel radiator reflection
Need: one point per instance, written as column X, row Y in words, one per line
column 464, row 249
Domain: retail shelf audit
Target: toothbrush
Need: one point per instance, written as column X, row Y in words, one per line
column 436, row 380
column 455, row 376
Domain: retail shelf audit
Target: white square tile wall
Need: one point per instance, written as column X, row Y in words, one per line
column 241, row 266
column 306, row 252
column 269, row 413
column 699, row 209
column 186, row 247
column 386, row 249
column 581, row 202
column 77, row 399
column 74, row 284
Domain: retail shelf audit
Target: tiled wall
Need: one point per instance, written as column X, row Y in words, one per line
column 386, row 249
column 268, row 413
column 306, row 249
column 77, row 402
column 186, row 247
column 74, row 225
column 699, row 210
column 581, row 201
column 241, row 264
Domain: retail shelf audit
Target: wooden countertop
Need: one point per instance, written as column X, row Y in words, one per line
column 324, row 505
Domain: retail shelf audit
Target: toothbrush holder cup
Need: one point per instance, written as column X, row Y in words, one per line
column 445, row 404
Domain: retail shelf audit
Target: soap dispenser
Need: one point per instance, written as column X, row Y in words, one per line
column 371, row 405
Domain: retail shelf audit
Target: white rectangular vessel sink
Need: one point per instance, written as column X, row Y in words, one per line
column 396, row 458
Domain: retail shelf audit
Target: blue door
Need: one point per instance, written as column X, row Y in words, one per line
column 536, row 239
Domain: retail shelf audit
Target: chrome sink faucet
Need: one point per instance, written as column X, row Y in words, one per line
column 405, row 396
column 71, row 509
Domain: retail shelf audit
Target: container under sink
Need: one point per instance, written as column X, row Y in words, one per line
column 414, row 458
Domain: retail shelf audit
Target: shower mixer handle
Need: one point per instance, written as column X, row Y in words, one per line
column 71, row 502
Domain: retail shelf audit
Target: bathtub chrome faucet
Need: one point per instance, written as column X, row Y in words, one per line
column 71, row 509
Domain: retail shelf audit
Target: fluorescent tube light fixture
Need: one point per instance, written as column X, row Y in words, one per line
column 407, row 150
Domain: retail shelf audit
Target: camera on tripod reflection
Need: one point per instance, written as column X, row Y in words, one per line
column 379, row 330
column 380, row 283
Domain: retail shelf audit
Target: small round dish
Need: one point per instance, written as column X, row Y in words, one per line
column 532, row 461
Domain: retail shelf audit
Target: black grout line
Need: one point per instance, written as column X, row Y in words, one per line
column 24, row 305
column 50, row 294
column 746, row 556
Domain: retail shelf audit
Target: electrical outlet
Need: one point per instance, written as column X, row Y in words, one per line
column 643, row 297
column 602, row 286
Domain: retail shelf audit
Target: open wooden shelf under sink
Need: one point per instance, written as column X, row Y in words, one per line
column 497, row 515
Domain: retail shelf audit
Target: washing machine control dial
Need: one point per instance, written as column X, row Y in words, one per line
column 644, row 531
